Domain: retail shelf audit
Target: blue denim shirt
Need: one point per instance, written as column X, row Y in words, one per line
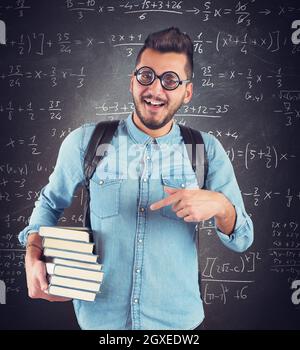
column 149, row 257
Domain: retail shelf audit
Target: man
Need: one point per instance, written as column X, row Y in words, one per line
column 144, row 207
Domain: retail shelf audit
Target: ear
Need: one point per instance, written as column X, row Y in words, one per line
column 188, row 93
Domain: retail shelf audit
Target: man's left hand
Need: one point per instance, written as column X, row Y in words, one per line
column 192, row 205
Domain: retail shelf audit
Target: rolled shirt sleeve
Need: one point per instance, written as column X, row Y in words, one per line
column 221, row 178
column 58, row 193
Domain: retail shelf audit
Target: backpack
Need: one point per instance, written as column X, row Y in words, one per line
column 103, row 134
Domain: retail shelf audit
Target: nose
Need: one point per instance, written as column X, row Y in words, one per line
column 155, row 88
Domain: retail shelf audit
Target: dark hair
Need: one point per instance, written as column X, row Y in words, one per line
column 170, row 40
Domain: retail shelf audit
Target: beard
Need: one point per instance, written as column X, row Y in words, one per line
column 151, row 123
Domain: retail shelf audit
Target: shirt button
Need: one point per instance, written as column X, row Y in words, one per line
column 136, row 300
column 137, row 270
column 182, row 185
column 148, row 158
column 142, row 209
column 101, row 182
column 145, row 180
column 140, row 241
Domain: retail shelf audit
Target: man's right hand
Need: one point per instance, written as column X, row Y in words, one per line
column 37, row 283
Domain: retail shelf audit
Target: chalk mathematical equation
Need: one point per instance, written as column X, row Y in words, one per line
column 214, row 267
column 224, row 291
column 270, row 42
column 15, row 76
column 241, row 12
column 30, row 143
column 116, row 108
column 270, row 155
column 250, row 78
column 11, row 265
column 284, row 252
column 17, row 7
column 29, row 111
column 289, row 106
column 286, row 197
column 221, row 281
column 42, row 43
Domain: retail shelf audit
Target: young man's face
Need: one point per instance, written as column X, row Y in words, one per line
column 155, row 117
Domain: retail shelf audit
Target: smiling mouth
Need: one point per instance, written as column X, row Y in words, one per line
column 153, row 104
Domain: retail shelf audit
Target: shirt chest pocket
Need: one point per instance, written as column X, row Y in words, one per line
column 178, row 183
column 105, row 197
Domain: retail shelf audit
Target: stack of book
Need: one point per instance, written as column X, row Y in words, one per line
column 72, row 268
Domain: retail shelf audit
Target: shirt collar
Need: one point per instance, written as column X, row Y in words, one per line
column 141, row 137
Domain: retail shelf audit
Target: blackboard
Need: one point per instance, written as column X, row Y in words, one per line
column 65, row 63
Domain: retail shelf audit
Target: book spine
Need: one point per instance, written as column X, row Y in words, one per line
column 71, row 293
column 73, row 283
column 78, row 273
column 81, row 257
column 80, row 247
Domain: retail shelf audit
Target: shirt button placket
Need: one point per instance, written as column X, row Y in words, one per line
column 139, row 249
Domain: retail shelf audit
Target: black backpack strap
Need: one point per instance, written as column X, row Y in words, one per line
column 102, row 135
column 197, row 156
column 196, row 152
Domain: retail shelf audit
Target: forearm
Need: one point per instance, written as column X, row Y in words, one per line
column 36, row 270
column 226, row 217
column 42, row 215
column 34, row 246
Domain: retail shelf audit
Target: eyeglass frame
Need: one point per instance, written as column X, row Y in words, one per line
column 160, row 77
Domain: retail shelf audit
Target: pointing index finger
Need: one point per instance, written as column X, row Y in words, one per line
column 173, row 198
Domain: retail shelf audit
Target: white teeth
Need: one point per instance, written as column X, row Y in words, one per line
column 153, row 103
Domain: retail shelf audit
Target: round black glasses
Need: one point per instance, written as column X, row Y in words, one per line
column 169, row 80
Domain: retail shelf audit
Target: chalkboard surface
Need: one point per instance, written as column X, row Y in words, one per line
column 68, row 62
